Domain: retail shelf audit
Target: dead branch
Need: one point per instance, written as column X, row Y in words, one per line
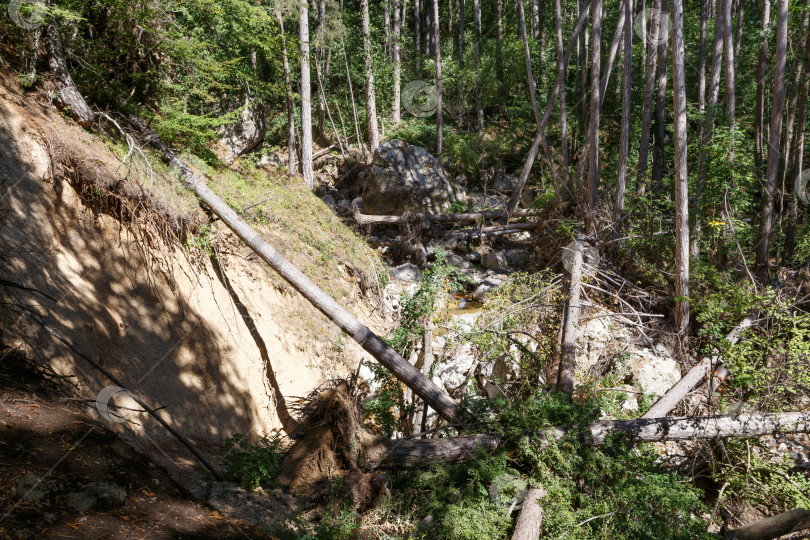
column 568, row 362
column 530, row 521
column 773, row 527
column 368, row 219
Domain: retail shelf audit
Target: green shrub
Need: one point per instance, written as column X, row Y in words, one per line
column 253, row 465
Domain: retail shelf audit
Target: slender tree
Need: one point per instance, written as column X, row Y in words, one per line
column 624, row 145
column 728, row 47
column 649, row 91
column 288, row 98
column 499, row 53
column 371, row 103
column 593, row 137
column 417, row 37
column 774, row 140
column 397, row 63
column 306, row 96
column 438, row 53
column 704, row 15
column 762, row 73
column 479, row 98
column 562, row 66
column 681, row 176
column 661, row 100
column 462, row 8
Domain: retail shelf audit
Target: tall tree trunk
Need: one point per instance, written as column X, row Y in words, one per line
column 351, row 94
column 417, row 37
column 614, row 50
column 292, row 166
column 382, row 352
column 527, row 53
column 704, row 15
column 661, row 103
column 681, row 176
column 624, row 145
column 728, row 47
column 562, row 68
column 371, row 103
column 738, row 38
column 584, row 66
column 762, row 73
column 306, row 96
column 462, row 9
column 774, row 141
column 387, row 27
column 593, row 137
column 707, row 131
column 439, row 115
column 499, row 54
column 649, row 91
column 535, row 19
column 397, row 63
column 479, row 98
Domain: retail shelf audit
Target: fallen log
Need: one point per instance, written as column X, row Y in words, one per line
column 568, row 363
column 668, row 401
column 530, row 521
column 499, row 230
column 368, row 219
column 772, row 527
column 381, row 351
column 423, row 452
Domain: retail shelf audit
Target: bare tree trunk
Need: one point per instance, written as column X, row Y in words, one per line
column 614, row 50
column 438, row 52
column 292, row 166
column 568, row 364
column 774, row 141
column 479, row 98
column 499, row 54
column 704, row 15
column 351, row 93
column 527, row 52
column 400, row 367
column 681, row 176
column 584, row 65
column 530, row 521
column 661, row 104
column 534, row 10
column 773, row 527
column 462, row 9
column 738, row 38
column 674, row 395
column 798, row 154
column 647, row 107
column 562, row 68
column 306, row 96
column 728, row 47
column 624, row 145
column 593, row 137
column 762, row 73
column 417, row 37
column 425, row 452
column 329, row 112
column 387, row 27
column 371, row 103
column 397, row 64
column 69, row 95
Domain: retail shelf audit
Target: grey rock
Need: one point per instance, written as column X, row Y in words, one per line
column 345, row 203
column 458, row 262
column 101, row 495
column 269, row 159
column 495, row 260
column 419, row 255
column 505, row 182
column 483, row 290
column 33, row 487
column 516, row 257
column 248, row 132
column 83, row 500
column 474, row 256
column 405, row 178
column 329, row 200
column 407, row 272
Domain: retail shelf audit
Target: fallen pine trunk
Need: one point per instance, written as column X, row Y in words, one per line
column 422, row 452
column 405, row 372
column 368, row 219
column 499, row 230
column 772, row 527
column 530, row 521
column 568, row 363
column 668, row 401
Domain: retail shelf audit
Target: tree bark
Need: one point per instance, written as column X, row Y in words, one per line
column 568, row 364
column 562, row 67
column 397, row 64
column 674, row 395
column 368, row 219
column 647, row 107
column 661, row 104
column 438, row 53
column 774, row 141
column 351, row 94
column 614, row 50
column 762, row 73
column 405, row 372
column 773, row 527
column 306, row 96
column 728, row 47
column 425, row 452
column 624, row 145
column 69, row 95
column 371, row 103
column 479, row 98
column 530, row 521
column 681, row 175
column 462, row 9
column 292, row 166
column 417, row 37
column 596, row 100
column 704, row 15
column 499, row 54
